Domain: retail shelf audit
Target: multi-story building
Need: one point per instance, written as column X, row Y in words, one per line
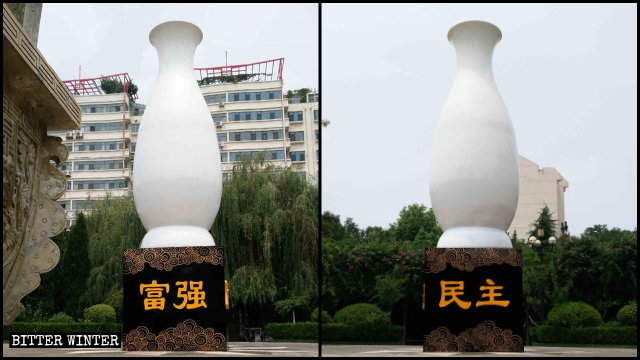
column 252, row 114
column 101, row 152
column 248, row 105
column 538, row 187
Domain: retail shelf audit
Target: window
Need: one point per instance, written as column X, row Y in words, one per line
column 316, row 114
column 68, row 185
column 317, row 134
column 295, row 116
column 222, row 136
column 135, row 128
column 223, row 157
column 297, row 156
column 296, row 136
column 219, row 117
column 216, row 98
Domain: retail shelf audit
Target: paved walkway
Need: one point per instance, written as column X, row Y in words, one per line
column 306, row 349
column 235, row 349
column 532, row 351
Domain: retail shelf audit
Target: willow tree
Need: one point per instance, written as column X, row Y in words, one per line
column 113, row 226
column 268, row 225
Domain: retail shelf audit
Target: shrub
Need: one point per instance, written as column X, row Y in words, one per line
column 363, row 315
column 100, row 313
column 628, row 315
column 115, row 301
column 290, row 331
column 59, row 328
column 326, row 318
column 61, row 318
column 583, row 335
column 574, row 314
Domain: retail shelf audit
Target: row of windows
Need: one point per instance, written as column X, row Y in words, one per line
column 244, row 96
column 112, row 126
column 96, row 184
column 96, row 146
column 77, row 204
column 97, row 165
column 254, row 135
column 269, row 155
column 255, row 95
column 255, row 115
column 102, row 108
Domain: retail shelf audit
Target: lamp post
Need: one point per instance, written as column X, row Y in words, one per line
column 536, row 244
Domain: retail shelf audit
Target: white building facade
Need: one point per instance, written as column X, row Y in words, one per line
column 538, row 187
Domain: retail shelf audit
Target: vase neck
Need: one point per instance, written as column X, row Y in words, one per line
column 474, row 42
column 175, row 42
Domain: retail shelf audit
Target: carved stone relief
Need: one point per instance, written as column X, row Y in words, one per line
column 30, row 214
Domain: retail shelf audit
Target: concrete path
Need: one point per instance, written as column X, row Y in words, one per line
column 532, row 351
column 235, row 349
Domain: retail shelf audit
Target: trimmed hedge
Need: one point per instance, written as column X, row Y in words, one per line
column 60, row 328
column 101, row 313
column 599, row 335
column 363, row 316
column 628, row 315
column 340, row 332
column 60, row 318
column 574, row 314
column 291, row 331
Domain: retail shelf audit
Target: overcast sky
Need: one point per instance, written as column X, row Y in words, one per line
column 114, row 38
column 567, row 74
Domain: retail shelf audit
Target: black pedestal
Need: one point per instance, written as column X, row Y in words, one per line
column 175, row 299
column 472, row 300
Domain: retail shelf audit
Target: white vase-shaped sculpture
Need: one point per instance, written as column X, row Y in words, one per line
column 177, row 183
column 474, row 175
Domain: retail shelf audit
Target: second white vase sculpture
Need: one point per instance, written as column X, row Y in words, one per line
column 177, row 183
column 474, row 176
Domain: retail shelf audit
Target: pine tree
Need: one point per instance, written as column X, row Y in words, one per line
column 76, row 266
column 546, row 221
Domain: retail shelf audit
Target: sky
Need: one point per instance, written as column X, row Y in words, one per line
column 114, row 38
column 567, row 74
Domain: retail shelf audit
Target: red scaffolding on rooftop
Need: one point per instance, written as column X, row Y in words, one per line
column 93, row 86
column 267, row 70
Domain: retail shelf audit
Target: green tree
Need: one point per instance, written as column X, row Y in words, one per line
column 76, row 266
column 413, row 218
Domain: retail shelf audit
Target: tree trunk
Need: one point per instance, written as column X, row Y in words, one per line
column 294, row 316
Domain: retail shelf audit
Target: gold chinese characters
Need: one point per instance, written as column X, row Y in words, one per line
column 450, row 290
column 192, row 295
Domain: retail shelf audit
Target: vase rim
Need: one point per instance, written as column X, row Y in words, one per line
column 176, row 23
column 475, row 23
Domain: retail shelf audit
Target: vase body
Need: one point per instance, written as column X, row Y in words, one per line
column 474, row 175
column 177, row 183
